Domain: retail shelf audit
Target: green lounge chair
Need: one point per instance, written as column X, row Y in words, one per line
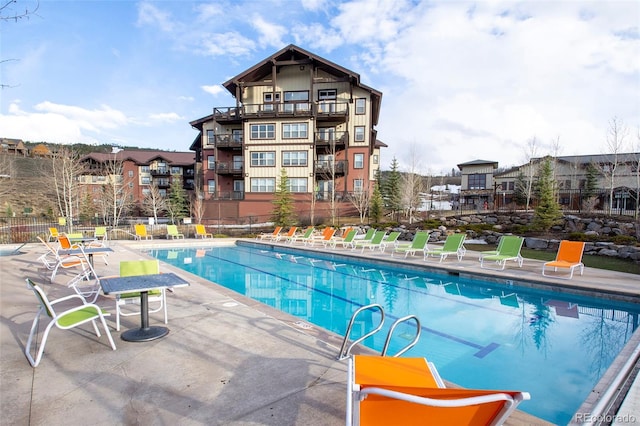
column 347, row 241
column 509, row 250
column 419, row 243
column 304, row 237
column 367, row 236
column 454, row 244
column 375, row 242
column 492, row 252
column 389, row 240
column 172, row 232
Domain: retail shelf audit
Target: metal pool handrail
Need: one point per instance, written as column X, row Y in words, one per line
column 411, row 344
column 347, row 353
column 344, row 354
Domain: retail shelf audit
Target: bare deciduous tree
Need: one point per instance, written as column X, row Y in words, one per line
column 530, row 152
column 66, row 170
column 614, row 145
column 412, row 186
column 116, row 194
column 154, row 203
column 361, row 198
column 197, row 204
column 7, row 175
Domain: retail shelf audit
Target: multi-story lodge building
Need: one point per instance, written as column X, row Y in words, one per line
column 137, row 170
column 295, row 113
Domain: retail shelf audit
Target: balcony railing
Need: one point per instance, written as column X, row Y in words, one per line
column 159, row 172
column 228, row 167
column 322, row 110
column 226, row 195
column 329, row 140
column 329, row 167
column 226, row 140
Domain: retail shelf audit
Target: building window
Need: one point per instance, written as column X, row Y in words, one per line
column 263, row 131
column 567, row 184
column 294, row 130
column 375, row 159
column 211, row 186
column 211, row 162
column 361, row 106
column 144, row 169
column 359, row 134
column 211, row 139
column 298, row 101
column 263, row 185
column 294, row 158
column 358, row 185
column 297, row 184
column 512, row 186
column 130, row 173
column 269, row 99
column 146, row 191
column 145, row 180
column 263, row 159
column 477, row 181
column 176, row 170
column 130, row 184
column 236, row 135
column 327, row 94
column 358, row 161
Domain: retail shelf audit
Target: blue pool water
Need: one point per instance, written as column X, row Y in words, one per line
column 478, row 334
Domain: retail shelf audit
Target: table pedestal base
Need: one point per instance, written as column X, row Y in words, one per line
column 144, row 334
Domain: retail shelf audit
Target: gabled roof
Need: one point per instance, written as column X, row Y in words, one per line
column 294, row 55
column 479, row 163
column 595, row 159
column 145, row 157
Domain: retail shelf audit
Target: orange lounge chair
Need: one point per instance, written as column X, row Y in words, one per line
column 326, row 236
column 409, row 391
column 290, row 233
column 270, row 235
column 569, row 257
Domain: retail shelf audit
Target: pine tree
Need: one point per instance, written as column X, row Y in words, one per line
column 375, row 209
column 548, row 211
column 520, row 191
column 177, row 203
column 391, row 190
column 591, row 184
column 282, row 214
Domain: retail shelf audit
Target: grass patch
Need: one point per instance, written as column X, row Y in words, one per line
column 599, row 262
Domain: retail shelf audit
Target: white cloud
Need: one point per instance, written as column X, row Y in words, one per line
column 166, row 117
column 149, row 14
column 270, row 34
column 214, row 90
column 59, row 123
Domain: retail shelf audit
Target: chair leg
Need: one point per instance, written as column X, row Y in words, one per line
column 106, row 330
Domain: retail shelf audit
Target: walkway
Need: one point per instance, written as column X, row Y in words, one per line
column 228, row 360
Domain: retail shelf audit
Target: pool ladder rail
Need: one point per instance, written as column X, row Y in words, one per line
column 345, row 352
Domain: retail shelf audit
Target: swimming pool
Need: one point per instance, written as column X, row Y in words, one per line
column 478, row 334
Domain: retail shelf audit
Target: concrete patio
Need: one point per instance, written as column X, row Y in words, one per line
column 227, row 360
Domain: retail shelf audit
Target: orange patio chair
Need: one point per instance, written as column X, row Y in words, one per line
column 290, row 233
column 569, row 257
column 270, row 235
column 409, row 391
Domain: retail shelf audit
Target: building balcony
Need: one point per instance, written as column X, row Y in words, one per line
column 228, row 168
column 226, row 195
column 160, row 172
column 326, row 111
column 323, row 111
column 331, row 141
column 329, row 168
column 223, row 141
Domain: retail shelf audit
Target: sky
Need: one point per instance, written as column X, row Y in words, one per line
column 461, row 81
